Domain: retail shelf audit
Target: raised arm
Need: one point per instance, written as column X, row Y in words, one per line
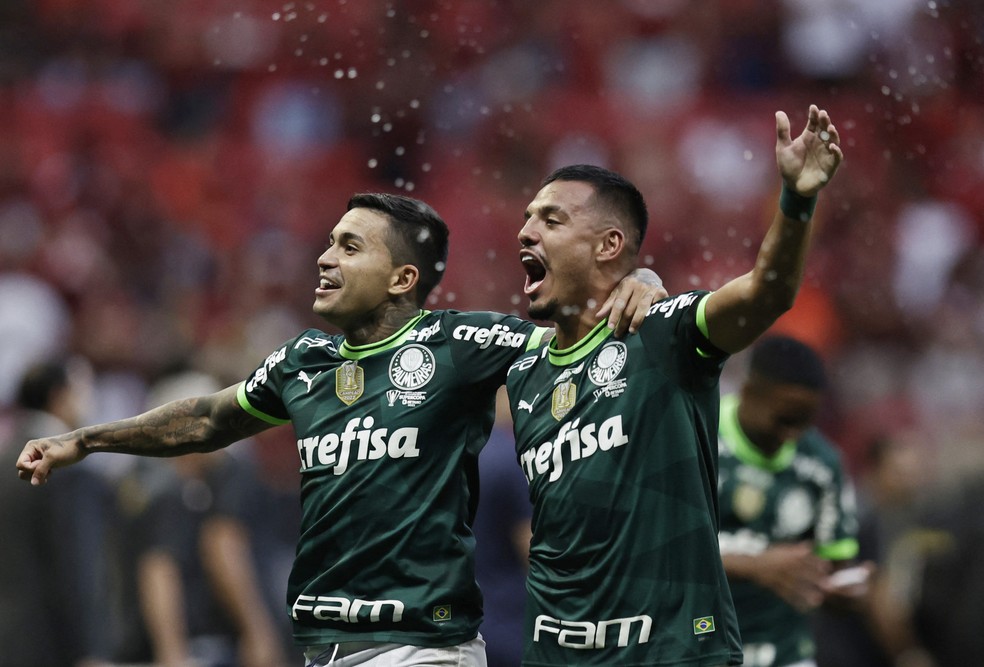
column 200, row 424
column 741, row 310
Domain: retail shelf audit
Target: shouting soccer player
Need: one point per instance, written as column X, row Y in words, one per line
column 389, row 417
column 618, row 438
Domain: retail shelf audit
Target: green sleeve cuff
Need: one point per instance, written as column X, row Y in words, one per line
column 702, row 324
column 845, row 549
column 536, row 337
column 244, row 404
column 701, row 317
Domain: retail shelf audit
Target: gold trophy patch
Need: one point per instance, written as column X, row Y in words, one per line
column 349, row 382
column 748, row 502
column 563, row 398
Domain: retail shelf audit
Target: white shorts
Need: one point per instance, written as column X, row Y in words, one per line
column 377, row 654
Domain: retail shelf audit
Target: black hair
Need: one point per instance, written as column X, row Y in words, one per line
column 419, row 236
column 788, row 361
column 612, row 189
column 39, row 383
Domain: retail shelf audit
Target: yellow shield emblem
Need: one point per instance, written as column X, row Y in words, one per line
column 563, row 398
column 748, row 502
column 349, row 382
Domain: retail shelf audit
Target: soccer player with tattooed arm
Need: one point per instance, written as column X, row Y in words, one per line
column 390, row 416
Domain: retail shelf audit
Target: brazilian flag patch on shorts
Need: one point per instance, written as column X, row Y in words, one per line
column 442, row 612
column 703, row 625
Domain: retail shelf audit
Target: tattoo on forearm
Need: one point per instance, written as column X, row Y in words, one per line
column 190, row 425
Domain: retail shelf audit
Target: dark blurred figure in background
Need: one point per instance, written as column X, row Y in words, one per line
column 929, row 598
column 502, row 532
column 192, row 593
column 948, row 605
column 53, row 576
column 888, row 498
column 788, row 514
column 275, row 524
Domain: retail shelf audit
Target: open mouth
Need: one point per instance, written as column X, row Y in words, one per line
column 535, row 271
column 327, row 285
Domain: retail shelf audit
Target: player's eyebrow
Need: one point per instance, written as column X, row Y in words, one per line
column 345, row 237
column 543, row 211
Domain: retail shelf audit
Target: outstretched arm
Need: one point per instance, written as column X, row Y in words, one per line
column 741, row 310
column 200, row 424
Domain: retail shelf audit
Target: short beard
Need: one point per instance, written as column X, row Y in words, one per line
column 544, row 310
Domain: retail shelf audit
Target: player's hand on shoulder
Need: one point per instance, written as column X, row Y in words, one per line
column 627, row 305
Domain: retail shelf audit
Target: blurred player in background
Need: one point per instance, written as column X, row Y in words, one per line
column 54, row 570
column 788, row 514
column 191, row 590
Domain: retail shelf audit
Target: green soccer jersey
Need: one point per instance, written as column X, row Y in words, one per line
column 799, row 494
column 617, row 441
column 388, row 436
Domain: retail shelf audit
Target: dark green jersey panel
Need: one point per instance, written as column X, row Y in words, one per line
column 799, row 494
column 388, row 437
column 618, row 441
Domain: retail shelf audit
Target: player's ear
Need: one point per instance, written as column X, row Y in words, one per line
column 404, row 280
column 611, row 244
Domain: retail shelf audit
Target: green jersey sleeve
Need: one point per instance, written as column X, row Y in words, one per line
column 261, row 394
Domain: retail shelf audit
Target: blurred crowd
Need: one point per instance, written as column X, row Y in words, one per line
column 169, row 171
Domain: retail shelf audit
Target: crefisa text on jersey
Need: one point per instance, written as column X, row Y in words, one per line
column 581, row 441
column 668, row 306
column 499, row 334
column 262, row 373
column 359, row 441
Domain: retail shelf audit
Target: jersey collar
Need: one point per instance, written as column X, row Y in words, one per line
column 580, row 349
column 361, row 351
column 743, row 448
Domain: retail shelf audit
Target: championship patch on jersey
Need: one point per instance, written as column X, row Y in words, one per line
column 350, row 382
column 748, row 502
column 563, row 399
